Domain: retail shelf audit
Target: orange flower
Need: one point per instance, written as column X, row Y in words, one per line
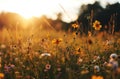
column 56, row 41
column 1, row 75
column 97, row 77
column 75, row 25
column 97, row 25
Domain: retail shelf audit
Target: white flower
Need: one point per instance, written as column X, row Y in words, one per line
column 113, row 56
column 16, row 59
column 96, row 68
column 98, row 57
column 45, row 54
column 79, row 60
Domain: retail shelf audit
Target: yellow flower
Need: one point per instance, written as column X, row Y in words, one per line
column 1, row 75
column 75, row 25
column 74, row 33
column 97, row 77
column 56, row 41
column 97, row 25
column 48, row 35
column 78, row 49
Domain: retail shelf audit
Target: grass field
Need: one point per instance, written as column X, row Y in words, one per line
column 48, row 54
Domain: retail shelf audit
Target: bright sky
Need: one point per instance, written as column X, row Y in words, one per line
column 29, row 8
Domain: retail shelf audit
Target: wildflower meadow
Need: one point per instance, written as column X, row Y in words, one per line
column 41, row 48
column 59, row 55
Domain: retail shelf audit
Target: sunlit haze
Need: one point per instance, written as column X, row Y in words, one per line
column 29, row 8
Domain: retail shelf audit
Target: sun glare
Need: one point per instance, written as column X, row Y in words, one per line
column 28, row 9
column 37, row 8
column 26, row 16
column 30, row 14
column 31, row 10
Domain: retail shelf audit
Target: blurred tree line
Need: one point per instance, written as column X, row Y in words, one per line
column 108, row 16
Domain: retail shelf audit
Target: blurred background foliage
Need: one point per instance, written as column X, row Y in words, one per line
column 108, row 16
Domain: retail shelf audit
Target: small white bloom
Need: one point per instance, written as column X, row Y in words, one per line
column 80, row 60
column 98, row 57
column 96, row 68
column 16, row 59
column 93, row 61
column 113, row 56
column 45, row 54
